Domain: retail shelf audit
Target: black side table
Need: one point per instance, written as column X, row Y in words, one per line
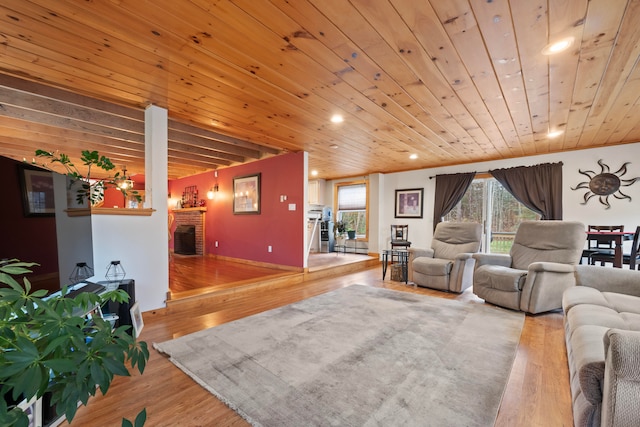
column 401, row 256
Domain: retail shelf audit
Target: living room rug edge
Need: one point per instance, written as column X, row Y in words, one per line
column 358, row 356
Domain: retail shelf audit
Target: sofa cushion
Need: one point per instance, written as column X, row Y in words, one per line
column 500, row 278
column 589, row 314
column 582, row 295
column 432, row 266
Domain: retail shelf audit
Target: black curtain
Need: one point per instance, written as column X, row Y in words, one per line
column 449, row 191
column 537, row 187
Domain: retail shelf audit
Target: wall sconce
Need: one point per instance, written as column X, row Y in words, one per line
column 80, row 272
column 126, row 183
column 212, row 192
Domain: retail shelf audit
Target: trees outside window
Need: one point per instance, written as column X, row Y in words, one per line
column 352, row 207
column 489, row 203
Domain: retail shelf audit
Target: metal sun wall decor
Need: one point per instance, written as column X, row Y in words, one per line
column 605, row 184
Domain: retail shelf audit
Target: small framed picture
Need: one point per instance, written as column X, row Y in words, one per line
column 409, row 203
column 136, row 319
column 246, row 194
column 33, row 410
column 37, row 191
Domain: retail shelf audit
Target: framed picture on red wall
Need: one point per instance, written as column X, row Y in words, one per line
column 37, row 191
column 246, row 194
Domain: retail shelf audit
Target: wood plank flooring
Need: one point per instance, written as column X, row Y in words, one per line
column 537, row 393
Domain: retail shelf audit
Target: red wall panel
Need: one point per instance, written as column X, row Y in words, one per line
column 249, row 236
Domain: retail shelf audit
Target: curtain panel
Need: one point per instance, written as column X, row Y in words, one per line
column 449, row 191
column 537, row 187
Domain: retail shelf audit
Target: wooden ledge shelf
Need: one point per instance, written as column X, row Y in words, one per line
column 109, row 211
column 200, row 209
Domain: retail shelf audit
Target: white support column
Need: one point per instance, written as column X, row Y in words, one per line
column 141, row 242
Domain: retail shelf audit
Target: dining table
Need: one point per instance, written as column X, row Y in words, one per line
column 617, row 237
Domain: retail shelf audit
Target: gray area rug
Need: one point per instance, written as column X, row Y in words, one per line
column 358, row 356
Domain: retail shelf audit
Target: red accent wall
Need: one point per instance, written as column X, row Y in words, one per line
column 248, row 236
column 29, row 239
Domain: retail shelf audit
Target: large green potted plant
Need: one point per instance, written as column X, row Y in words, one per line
column 50, row 345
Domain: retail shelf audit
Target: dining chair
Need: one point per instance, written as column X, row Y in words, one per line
column 595, row 246
column 632, row 257
column 400, row 236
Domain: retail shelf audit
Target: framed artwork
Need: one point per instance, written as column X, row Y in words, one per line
column 37, row 191
column 246, row 194
column 409, row 203
column 136, row 319
column 33, row 411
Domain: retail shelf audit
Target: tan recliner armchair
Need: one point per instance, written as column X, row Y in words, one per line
column 448, row 265
column 538, row 269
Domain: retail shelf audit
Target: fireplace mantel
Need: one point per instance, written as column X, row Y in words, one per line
column 192, row 216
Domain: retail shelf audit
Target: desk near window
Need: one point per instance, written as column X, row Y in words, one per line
column 612, row 236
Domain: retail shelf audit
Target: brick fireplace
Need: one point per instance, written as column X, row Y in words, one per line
column 195, row 217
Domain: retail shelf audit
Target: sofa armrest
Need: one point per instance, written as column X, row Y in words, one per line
column 618, row 280
column 492, row 259
column 544, row 286
column 621, row 391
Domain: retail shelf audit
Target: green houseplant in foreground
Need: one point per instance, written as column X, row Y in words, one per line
column 49, row 345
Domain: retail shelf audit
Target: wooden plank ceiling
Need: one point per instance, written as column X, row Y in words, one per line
column 452, row 81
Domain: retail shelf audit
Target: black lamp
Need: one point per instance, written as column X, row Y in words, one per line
column 80, row 272
column 115, row 271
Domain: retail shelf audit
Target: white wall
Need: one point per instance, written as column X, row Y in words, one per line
column 72, row 232
column 141, row 242
column 421, row 230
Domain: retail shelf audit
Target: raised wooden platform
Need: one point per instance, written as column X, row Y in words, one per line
column 211, row 280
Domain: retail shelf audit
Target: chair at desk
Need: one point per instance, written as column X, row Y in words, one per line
column 400, row 236
column 632, row 257
column 596, row 247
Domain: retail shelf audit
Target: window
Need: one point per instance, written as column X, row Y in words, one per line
column 489, row 203
column 352, row 207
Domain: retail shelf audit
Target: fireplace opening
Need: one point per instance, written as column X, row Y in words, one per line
column 184, row 242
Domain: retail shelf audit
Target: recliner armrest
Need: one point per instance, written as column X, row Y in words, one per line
column 464, row 256
column 492, row 259
column 544, row 286
column 551, row 266
column 418, row 252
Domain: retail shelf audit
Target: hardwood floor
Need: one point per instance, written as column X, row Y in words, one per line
column 537, row 393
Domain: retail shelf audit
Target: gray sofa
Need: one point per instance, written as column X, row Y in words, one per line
column 602, row 333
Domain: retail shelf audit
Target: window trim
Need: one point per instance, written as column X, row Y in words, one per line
column 335, row 202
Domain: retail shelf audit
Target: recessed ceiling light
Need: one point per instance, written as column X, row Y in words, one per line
column 558, row 46
column 337, row 118
column 413, row 156
column 314, row 172
column 555, row 133
column 334, row 146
